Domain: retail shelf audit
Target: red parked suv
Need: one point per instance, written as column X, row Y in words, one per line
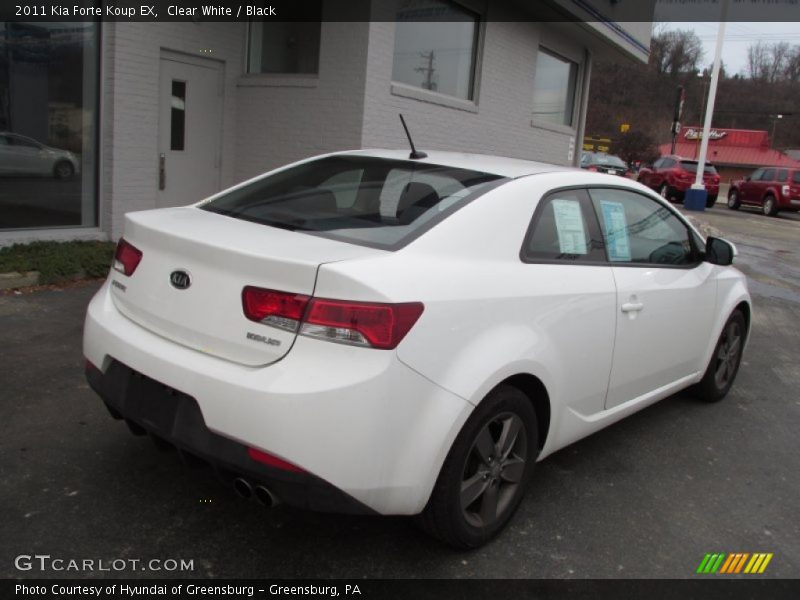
column 771, row 188
column 672, row 175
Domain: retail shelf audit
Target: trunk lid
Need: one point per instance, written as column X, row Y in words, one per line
column 221, row 255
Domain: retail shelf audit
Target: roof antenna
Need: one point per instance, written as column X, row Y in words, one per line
column 414, row 154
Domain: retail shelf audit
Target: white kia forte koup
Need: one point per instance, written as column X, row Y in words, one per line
column 368, row 333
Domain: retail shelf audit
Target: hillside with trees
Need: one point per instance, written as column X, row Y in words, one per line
column 643, row 95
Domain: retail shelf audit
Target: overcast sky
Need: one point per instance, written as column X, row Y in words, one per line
column 738, row 37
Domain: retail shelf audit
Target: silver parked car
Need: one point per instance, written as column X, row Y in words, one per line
column 21, row 155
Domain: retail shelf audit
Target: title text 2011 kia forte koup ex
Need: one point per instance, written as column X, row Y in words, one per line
column 362, row 332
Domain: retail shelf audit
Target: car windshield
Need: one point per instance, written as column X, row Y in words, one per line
column 691, row 166
column 370, row 201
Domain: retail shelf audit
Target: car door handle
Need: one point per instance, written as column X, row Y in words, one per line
column 632, row 307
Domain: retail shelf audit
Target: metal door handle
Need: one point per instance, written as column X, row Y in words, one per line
column 162, row 173
column 632, row 307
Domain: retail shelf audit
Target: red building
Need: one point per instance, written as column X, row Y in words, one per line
column 734, row 152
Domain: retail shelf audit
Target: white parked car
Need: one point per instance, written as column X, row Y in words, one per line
column 21, row 155
column 362, row 332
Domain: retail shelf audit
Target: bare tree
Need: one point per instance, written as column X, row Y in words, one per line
column 757, row 61
column 768, row 62
column 779, row 53
column 792, row 69
column 675, row 51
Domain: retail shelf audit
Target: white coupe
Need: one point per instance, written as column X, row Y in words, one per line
column 368, row 332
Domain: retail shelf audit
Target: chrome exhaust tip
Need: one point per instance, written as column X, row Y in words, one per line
column 243, row 487
column 266, row 497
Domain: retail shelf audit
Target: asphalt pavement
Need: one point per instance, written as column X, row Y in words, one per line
column 647, row 497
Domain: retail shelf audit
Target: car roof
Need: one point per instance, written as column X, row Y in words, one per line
column 496, row 165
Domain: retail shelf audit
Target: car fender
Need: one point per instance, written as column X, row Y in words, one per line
column 771, row 191
column 731, row 292
column 512, row 350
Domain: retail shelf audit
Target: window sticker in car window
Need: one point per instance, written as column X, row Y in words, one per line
column 569, row 224
column 617, row 241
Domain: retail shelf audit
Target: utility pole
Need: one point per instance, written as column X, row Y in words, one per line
column 775, row 119
column 428, row 70
column 695, row 198
column 676, row 117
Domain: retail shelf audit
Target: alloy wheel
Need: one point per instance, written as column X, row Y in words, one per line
column 494, row 469
column 730, row 347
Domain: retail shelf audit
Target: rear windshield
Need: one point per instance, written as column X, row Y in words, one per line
column 691, row 166
column 370, row 201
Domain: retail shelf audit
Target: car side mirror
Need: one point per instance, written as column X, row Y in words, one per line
column 719, row 251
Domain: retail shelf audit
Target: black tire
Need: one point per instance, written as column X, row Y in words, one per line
column 724, row 365
column 477, row 459
column 770, row 206
column 711, row 201
column 733, row 199
column 63, row 170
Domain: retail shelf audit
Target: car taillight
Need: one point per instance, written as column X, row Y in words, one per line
column 273, row 461
column 279, row 309
column 360, row 323
column 126, row 258
column 592, row 168
column 368, row 324
column 786, row 190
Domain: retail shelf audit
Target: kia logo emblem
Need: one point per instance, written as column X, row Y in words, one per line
column 180, row 280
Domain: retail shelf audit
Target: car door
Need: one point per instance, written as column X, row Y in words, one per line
column 571, row 296
column 663, row 170
column 27, row 156
column 666, row 294
column 746, row 190
column 760, row 187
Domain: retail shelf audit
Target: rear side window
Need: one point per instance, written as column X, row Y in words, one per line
column 374, row 202
column 768, row 175
column 638, row 230
column 796, row 177
column 783, row 175
column 564, row 229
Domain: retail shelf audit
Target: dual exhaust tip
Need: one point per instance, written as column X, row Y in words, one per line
column 262, row 493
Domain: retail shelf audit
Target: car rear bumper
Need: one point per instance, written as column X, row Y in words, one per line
column 357, row 419
column 790, row 204
column 175, row 418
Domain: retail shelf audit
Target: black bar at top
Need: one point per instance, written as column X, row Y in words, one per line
column 618, row 11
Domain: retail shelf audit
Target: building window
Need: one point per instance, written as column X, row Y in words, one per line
column 286, row 47
column 177, row 115
column 49, row 75
column 554, row 86
column 437, row 55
